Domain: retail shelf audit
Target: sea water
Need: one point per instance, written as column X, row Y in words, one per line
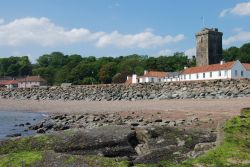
column 14, row 122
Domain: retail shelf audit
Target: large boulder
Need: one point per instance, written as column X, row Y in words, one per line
column 109, row 141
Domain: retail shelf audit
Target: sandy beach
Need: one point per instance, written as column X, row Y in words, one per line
column 217, row 108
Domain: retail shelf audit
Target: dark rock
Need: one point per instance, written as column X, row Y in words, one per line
column 41, row 130
column 110, row 141
column 14, row 135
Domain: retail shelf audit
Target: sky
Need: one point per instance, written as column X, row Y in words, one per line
column 117, row 27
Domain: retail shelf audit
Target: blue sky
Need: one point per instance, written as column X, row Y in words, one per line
column 117, row 27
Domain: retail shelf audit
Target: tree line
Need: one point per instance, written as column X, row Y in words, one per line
column 58, row 68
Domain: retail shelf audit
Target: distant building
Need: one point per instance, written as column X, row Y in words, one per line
column 9, row 84
column 172, row 76
column 223, row 70
column 149, row 76
column 208, row 47
column 65, row 85
column 229, row 70
column 32, row 82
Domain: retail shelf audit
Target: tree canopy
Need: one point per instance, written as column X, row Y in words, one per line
column 58, row 68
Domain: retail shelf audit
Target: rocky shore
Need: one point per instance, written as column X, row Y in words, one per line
column 132, row 138
column 216, row 89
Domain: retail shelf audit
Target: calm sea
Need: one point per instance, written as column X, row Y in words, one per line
column 11, row 122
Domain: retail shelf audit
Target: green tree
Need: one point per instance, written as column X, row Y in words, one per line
column 106, row 72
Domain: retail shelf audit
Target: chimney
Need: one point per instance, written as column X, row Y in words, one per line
column 145, row 72
column 222, row 62
column 185, row 67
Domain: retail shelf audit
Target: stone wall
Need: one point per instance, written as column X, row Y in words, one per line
column 176, row 90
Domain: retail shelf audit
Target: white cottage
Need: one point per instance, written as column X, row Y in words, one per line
column 32, row 82
column 229, row 70
column 149, row 76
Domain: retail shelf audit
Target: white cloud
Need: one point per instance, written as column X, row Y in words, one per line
column 42, row 31
column 190, row 52
column 224, row 12
column 240, row 9
column 242, row 36
column 144, row 40
column 166, row 52
column 1, row 20
column 237, row 29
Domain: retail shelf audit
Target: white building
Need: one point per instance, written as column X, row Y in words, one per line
column 229, row 70
column 149, row 76
column 31, row 82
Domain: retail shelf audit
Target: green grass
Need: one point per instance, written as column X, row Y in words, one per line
column 20, row 159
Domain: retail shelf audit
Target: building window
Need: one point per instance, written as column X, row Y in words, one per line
column 189, row 76
column 204, row 75
column 242, row 73
column 152, row 79
column 211, row 74
column 236, row 73
column 219, row 73
column 197, row 76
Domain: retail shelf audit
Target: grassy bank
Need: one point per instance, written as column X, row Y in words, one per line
column 37, row 151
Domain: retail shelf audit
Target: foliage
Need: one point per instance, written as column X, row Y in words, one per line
column 234, row 53
column 15, row 66
column 58, row 68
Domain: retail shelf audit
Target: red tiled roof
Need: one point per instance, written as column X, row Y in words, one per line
column 9, row 82
column 33, row 79
column 213, row 67
column 247, row 66
column 155, row 74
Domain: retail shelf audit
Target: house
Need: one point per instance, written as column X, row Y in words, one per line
column 149, row 76
column 229, row 70
column 32, row 82
column 223, row 70
column 172, row 76
column 247, row 67
column 9, row 84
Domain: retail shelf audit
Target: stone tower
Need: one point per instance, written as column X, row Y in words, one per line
column 208, row 47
